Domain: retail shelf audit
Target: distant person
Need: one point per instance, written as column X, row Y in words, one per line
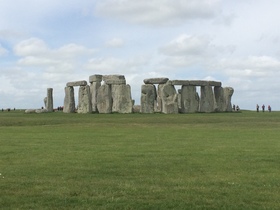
column 269, row 108
column 258, row 107
column 263, row 107
column 237, row 108
column 233, row 107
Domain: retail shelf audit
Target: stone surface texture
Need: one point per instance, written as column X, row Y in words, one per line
column 49, row 102
column 104, row 99
column 76, row 83
column 189, row 99
column 69, row 100
column 122, row 101
column 148, row 97
column 207, row 100
column 114, row 79
column 169, row 97
column 94, row 86
column 95, row 78
column 84, row 104
column 154, row 81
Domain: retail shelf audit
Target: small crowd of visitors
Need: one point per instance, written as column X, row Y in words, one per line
column 235, row 108
column 263, row 108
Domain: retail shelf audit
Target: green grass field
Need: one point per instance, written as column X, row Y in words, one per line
column 140, row 161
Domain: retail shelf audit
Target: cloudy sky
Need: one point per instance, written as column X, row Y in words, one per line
column 47, row 43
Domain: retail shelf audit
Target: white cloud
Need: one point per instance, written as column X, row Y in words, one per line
column 115, row 43
column 157, row 11
column 30, row 47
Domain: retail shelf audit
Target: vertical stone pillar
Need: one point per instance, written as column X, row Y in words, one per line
column 69, row 100
column 84, row 104
column 228, row 92
column 121, row 96
column 189, row 99
column 169, row 98
column 95, row 83
column 49, row 102
column 207, row 101
column 148, row 97
column 104, row 99
column 223, row 98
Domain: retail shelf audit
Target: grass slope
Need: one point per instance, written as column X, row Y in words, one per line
column 140, row 161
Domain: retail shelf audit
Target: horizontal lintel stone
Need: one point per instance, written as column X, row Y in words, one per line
column 196, row 83
column 114, row 79
column 76, row 83
column 95, row 78
column 154, row 81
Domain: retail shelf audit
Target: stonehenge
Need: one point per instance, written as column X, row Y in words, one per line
column 114, row 95
column 110, row 94
column 166, row 99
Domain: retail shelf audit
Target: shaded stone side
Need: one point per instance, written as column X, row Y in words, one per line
column 93, row 92
column 223, row 98
column 228, row 92
column 189, row 99
column 169, row 97
column 207, row 100
column 148, row 97
column 122, row 101
column 84, row 104
column 49, row 102
column 69, row 100
column 104, row 99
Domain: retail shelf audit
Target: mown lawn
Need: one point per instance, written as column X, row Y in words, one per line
column 140, row 161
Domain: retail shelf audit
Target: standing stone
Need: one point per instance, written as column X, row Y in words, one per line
column 169, row 96
column 49, row 103
column 189, row 99
column 84, row 104
column 148, row 97
column 69, row 100
column 207, row 101
column 228, row 92
column 95, row 82
column 179, row 99
column 104, row 99
column 45, row 101
column 223, row 98
column 122, row 101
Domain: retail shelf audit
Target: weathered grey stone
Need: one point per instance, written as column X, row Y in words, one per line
column 45, row 101
column 207, row 101
column 104, row 99
column 189, row 99
column 28, row 111
column 84, row 105
column 93, row 91
column 195, row 83
column 148, row 97
column 136, row 109
column 69, row 100
column 49, row 102
column 169, row 97
column 114, row 79
column 154, row 81
column 228, row 92
column 95, row 78
column 76, row 83
column 39, row 111
column 122, row 101
column 223, row 98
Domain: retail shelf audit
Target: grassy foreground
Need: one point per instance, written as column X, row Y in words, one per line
column 140, row 161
